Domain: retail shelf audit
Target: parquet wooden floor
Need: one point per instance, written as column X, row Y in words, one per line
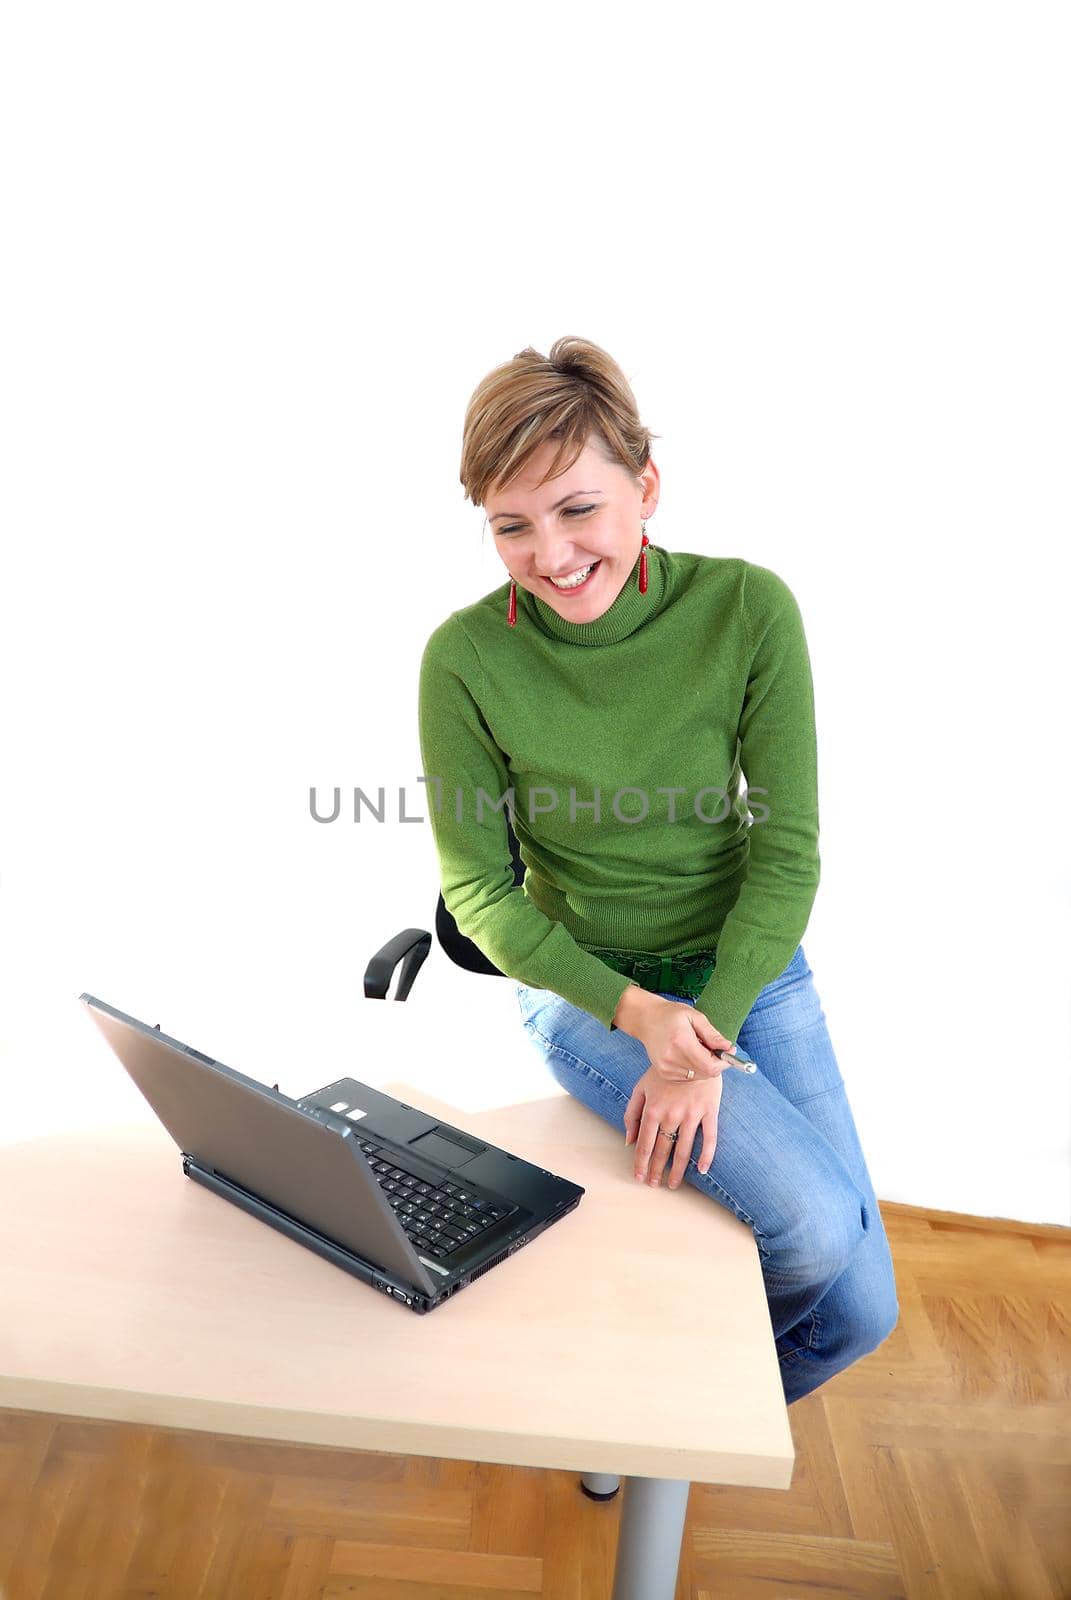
column 937, row 1469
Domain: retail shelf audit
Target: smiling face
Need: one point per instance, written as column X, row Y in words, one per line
column 589, row 514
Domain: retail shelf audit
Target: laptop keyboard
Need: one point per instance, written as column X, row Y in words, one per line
column 439, row 1218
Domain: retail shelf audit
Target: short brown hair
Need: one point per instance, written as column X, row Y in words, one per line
column 577, row 394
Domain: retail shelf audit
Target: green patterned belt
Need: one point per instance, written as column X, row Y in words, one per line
column 687, row 973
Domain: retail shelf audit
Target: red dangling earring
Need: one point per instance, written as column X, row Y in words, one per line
column 643, row 564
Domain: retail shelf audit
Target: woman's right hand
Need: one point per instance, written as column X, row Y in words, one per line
column 676, row 1036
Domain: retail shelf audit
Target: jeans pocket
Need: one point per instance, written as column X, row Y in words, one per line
column 525, row 1004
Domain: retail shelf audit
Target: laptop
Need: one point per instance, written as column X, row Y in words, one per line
column 411, row 1205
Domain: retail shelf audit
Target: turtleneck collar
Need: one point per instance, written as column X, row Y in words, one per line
column 629, row 611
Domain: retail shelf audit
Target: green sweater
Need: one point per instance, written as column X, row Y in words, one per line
column 617, row 747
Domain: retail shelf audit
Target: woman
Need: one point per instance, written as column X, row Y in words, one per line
column 608, row 699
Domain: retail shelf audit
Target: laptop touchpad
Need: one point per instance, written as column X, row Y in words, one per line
column 447, row 1152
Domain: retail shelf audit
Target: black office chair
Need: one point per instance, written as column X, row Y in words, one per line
column 411, row 947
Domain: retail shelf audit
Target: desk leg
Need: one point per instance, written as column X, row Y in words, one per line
column 600, row 1485
column 649, row 1541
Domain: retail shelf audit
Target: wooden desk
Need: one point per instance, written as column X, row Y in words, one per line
column 631, row 1338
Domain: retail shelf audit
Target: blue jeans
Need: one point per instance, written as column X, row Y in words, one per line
column 788, row 1163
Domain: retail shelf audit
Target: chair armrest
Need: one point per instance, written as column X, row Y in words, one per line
column 410, row 947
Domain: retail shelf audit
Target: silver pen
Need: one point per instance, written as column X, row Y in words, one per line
column 743, row 1062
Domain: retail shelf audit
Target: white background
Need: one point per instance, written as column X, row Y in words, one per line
column 256, row 259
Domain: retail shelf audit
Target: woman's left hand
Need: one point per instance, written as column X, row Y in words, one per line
column 676, row 1106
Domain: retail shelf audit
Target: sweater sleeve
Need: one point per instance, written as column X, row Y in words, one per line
column 462, row 762
column 778, row 757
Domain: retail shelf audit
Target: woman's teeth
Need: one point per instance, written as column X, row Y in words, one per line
column 575, row 579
